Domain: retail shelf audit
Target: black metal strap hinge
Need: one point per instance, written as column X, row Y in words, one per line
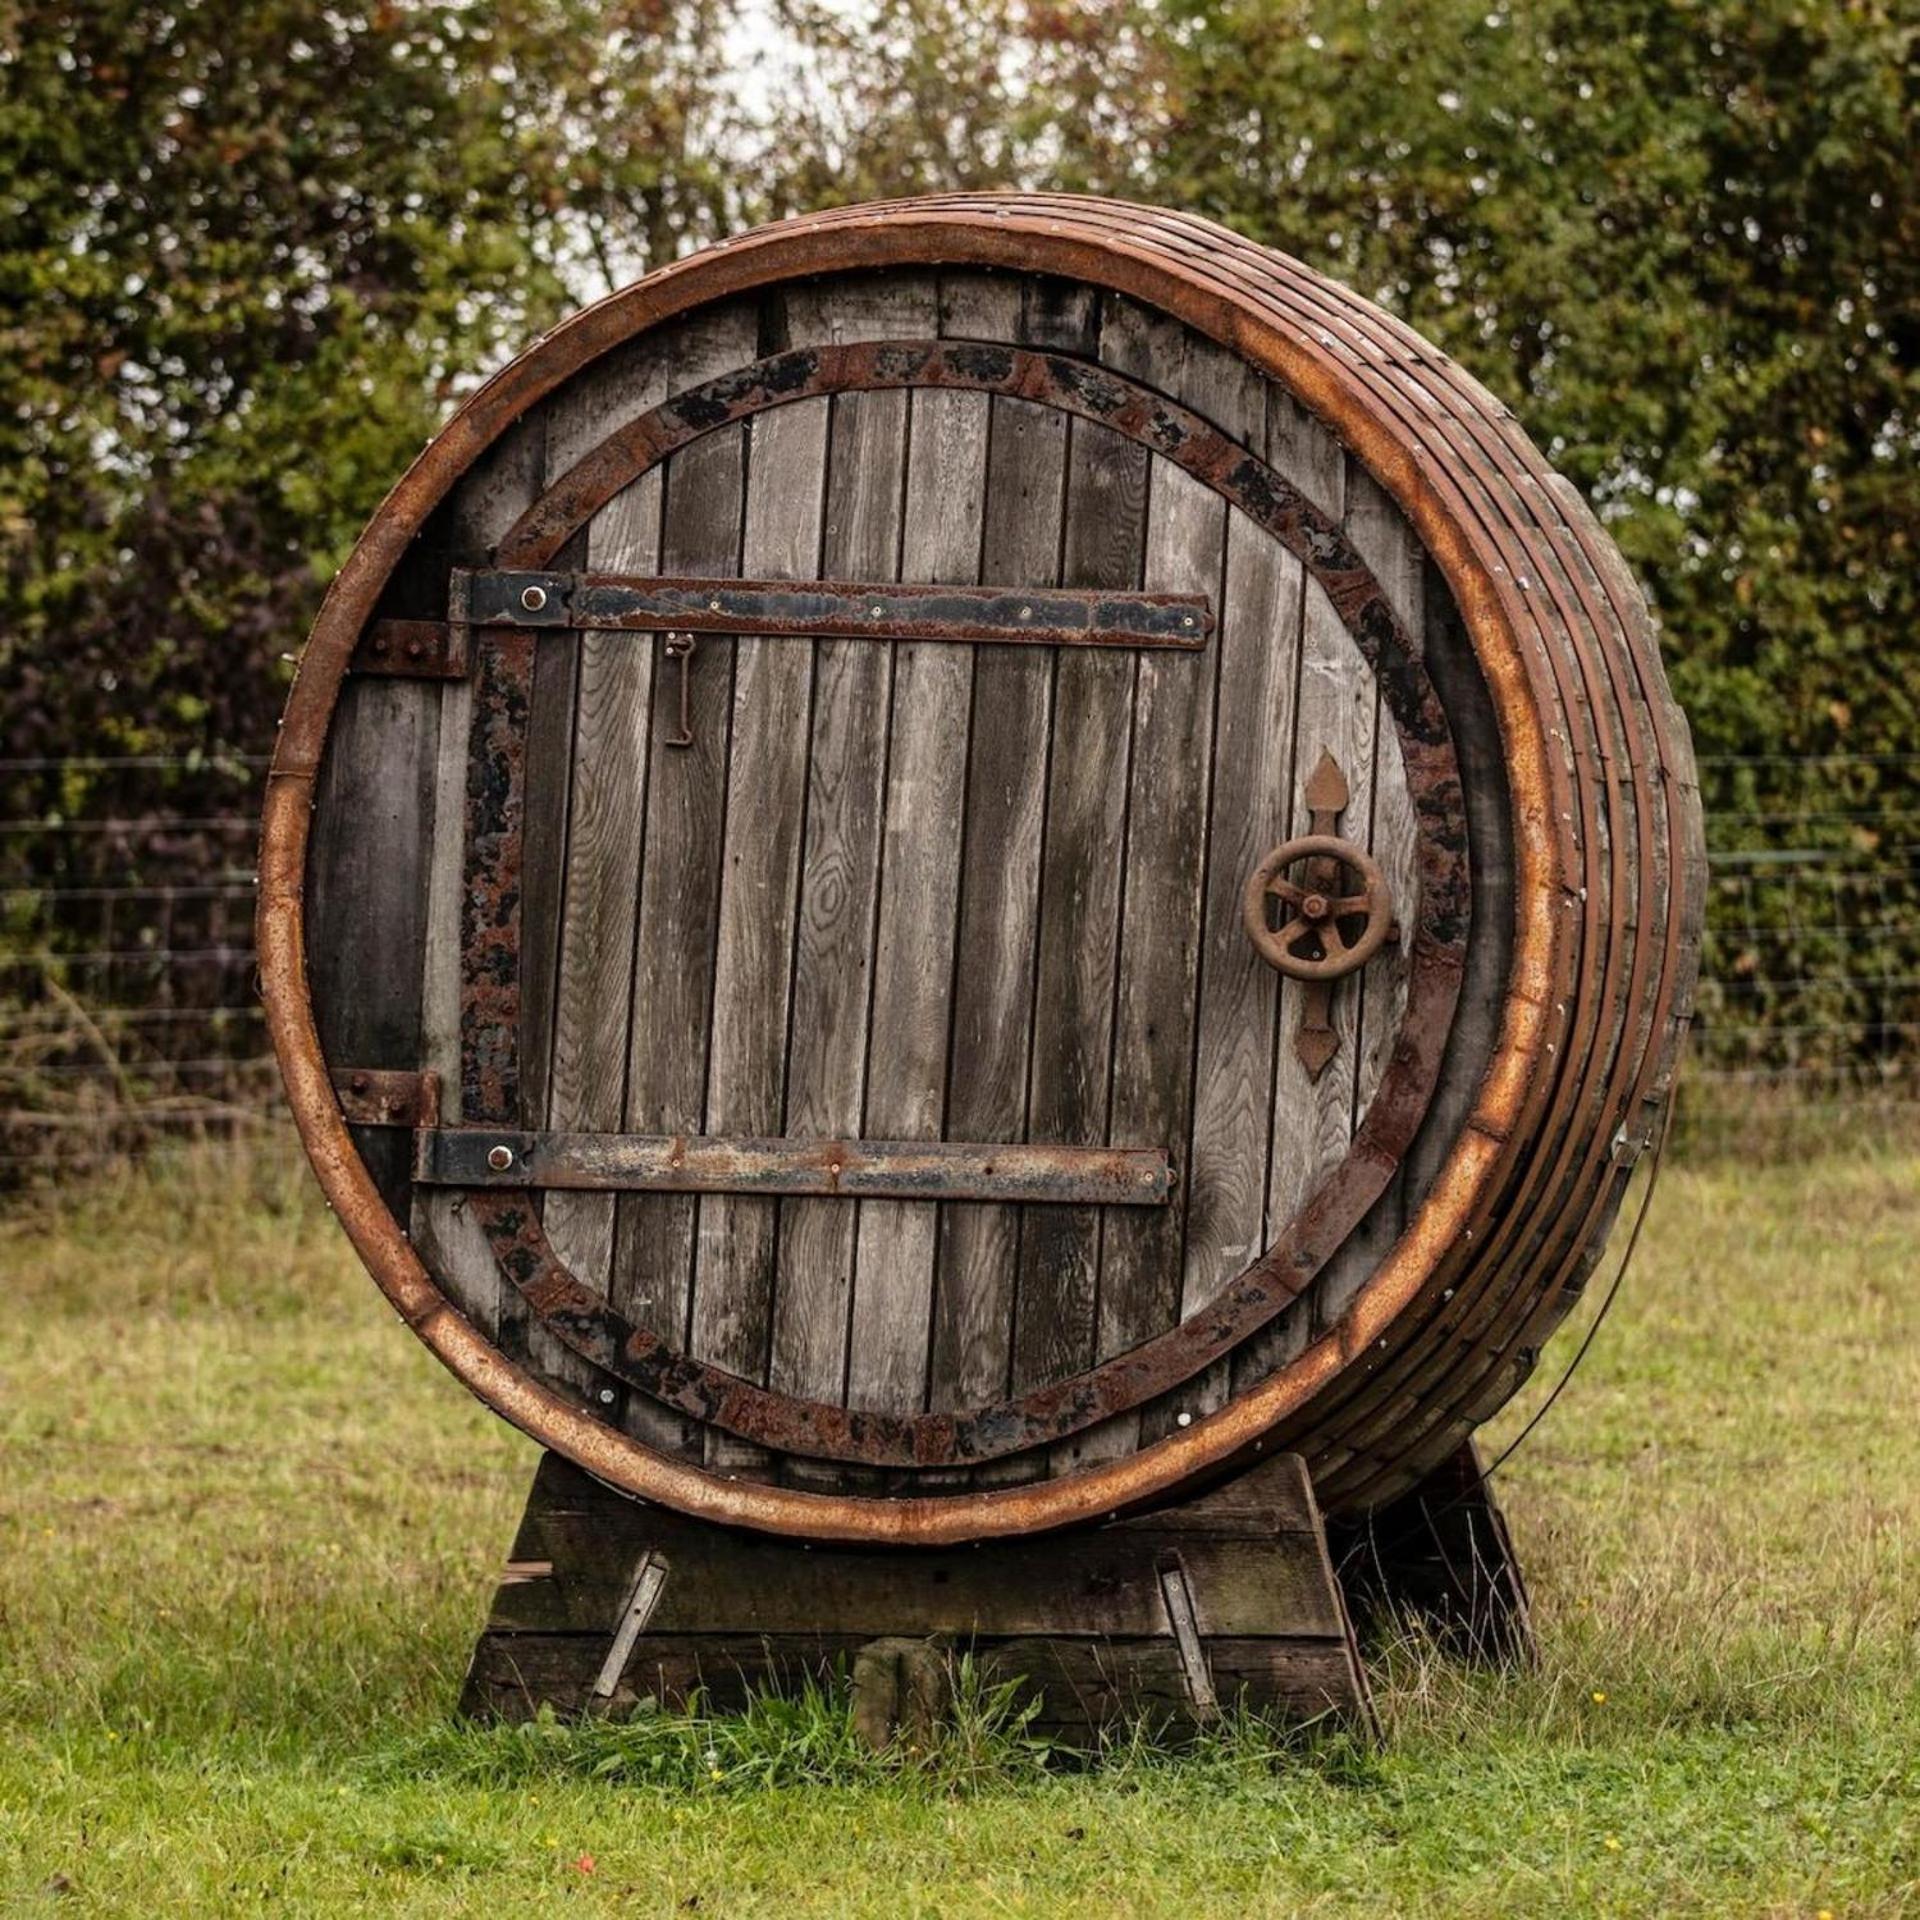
column 838, row 609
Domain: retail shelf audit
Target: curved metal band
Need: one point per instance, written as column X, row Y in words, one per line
column 1159, row 263
column 585, row 1320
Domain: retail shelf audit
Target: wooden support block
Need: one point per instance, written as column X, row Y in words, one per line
column 1441, row 1555
column 1226, row 1601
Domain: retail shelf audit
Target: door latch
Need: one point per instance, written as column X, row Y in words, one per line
column 680, row 648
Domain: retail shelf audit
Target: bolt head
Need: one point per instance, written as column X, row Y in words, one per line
column 533, row 599
column 500, row 1158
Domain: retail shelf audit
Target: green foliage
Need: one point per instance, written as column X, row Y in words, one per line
column 247, row 254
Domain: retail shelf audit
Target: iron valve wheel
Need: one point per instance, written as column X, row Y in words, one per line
column 1320, row 903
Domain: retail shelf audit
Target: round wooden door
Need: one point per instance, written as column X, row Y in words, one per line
column 937, row 870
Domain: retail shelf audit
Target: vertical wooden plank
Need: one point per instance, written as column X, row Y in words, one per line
column 367, row 883
column 1301, row 450
column 919, row 893
column 1313, row 1117
column 587, row 1085
column 1080, row 906
column 1375, row 1000
column 840, row 857
column 674, row 933
column 1160, row 930
column 1169, row 793
column 766, row 797
column 999, row 899
column 1239, row 993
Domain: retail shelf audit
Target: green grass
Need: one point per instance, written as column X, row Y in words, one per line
column 248, row 1530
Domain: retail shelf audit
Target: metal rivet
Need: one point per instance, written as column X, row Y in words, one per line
column 1186, row 620
column 1026, row 613
column 607, row 1396
column 533, row 599
column 1183, row 1419
column 500, row 1158
column 713, row 606
column 874, row 612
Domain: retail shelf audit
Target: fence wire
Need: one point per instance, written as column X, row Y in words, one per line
column 129, row 1009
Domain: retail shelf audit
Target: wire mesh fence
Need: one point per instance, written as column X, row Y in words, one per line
column 129, row 1010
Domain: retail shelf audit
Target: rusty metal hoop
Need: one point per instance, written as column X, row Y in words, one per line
column 1316, row 913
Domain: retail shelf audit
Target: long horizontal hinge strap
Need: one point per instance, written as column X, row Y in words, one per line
column 845, row 1169
column 836, row 609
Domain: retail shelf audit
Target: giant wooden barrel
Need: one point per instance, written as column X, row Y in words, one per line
column 964, row 862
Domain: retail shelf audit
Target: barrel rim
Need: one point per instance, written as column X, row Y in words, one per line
column 1029, row 233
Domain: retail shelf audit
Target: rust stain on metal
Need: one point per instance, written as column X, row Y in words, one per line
column 490, row 897
column 413, row 649
column 387, row 1097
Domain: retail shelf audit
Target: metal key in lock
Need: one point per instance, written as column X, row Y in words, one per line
column 680, row 647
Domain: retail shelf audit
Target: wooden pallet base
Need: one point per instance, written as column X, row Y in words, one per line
column 1229, row 1599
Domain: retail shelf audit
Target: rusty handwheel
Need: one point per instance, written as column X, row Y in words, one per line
column 1321, row 907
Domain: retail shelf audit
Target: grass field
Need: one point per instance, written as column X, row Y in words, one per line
column 248, row 1530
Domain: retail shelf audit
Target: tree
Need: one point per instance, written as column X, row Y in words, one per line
column 248, row 252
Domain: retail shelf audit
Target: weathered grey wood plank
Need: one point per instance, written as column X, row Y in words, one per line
column 1301, row 450
column 1141, row 1274
column 607, row 813
column 1081, row 890
column 1389, row 546
column 993, row 965
column 1239, row 992
column 1160, row 933
column 840, row 859
column 766, row 798
column 1313, row 1117
column 919, row 889
column 674, row 935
